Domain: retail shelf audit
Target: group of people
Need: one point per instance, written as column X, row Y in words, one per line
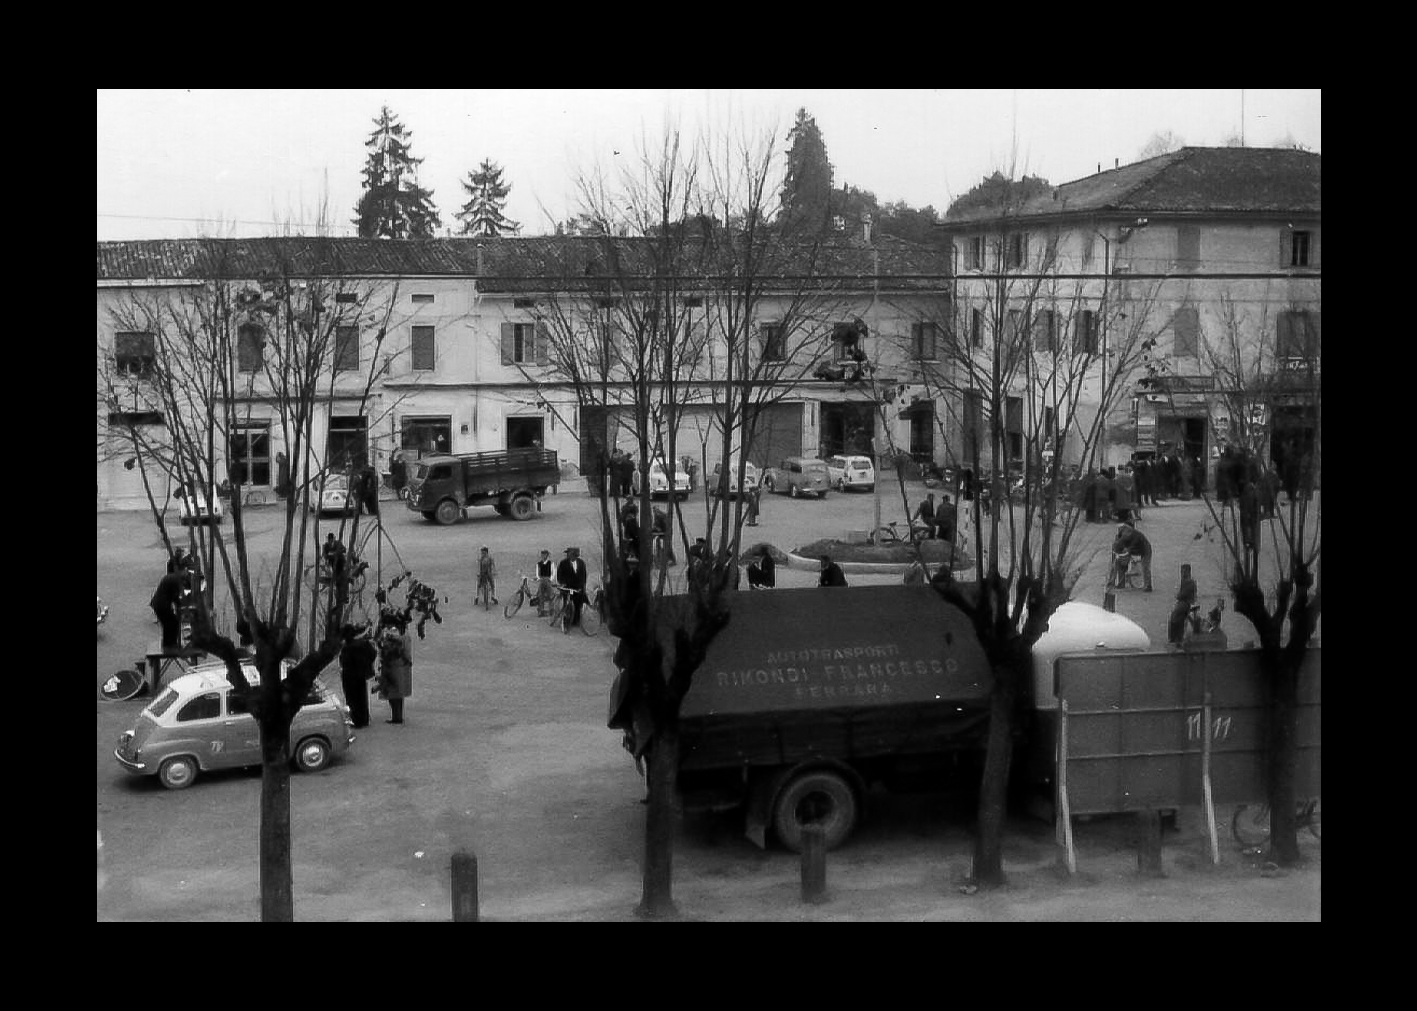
column 937, row 522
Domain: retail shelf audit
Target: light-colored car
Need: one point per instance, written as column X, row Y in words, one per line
column 750, row 478
column 196, row 725
column 659, row 481
column 195, row 508
column 851, row 473
column 332, row 495
column 797, row 476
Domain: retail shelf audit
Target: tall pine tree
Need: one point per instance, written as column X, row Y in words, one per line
column 393, row 205
column 487, row 195
column 807, row 189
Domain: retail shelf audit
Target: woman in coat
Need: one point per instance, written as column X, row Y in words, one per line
column 396, row 674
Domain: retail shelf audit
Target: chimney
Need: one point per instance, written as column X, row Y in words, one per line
column 866, row 227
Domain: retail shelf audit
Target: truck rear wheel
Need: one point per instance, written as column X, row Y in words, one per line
column 447, row 512
column 818, row 797
column 523, row 507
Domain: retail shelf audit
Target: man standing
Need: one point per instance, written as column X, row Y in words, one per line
column 763, row 572
column 571, row 573
column 946, row 519
column 165, row 603
column 831, row 573
column 925, row 514
column 486, row 577
column 356, row 669
column 1134, row 543
column 1181, row 612
column 545, row 568
column 754, row 500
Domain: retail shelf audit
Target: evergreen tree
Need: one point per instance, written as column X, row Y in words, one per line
column 393, row 205
column 807, row 190
column 487, row 195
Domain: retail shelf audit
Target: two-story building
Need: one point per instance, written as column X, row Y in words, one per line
column 1180, row 277
column 446, row 346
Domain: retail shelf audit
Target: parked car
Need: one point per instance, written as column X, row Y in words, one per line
column 750, row 479
column 851, row 472
column 332, row 495
column 659, row 481
column 196, row 725
column 193, row 506
column 797, row 476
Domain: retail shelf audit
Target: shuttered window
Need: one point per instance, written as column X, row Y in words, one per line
column 1186, row 325
column 250, row 344
column 134, row 353
column 1045, row 331
column 976, row 328
column 1188, row 247
column 347, row 349
column 424, row 350
column 773, row 342
column 1085, row 333
column 1298, row 335
column 523, row 344
column 923, row 341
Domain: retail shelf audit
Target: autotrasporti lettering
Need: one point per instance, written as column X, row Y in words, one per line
column 853, row 672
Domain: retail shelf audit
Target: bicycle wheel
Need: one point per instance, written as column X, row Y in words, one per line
column 591, row 617
column 558, row 604
column 122, row 685
column 514, row 605
column 1251, row 825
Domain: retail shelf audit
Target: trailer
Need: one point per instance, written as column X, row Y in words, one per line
column 513, row 482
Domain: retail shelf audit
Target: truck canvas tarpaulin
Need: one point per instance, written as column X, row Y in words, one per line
column 845, row 673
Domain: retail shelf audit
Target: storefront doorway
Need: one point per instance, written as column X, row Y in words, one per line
column 524, row 433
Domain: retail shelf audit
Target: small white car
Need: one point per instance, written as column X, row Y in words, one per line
column 855, row 473
column 659, row 481
column 333, row 495
column 750, row 479
column 196, row 725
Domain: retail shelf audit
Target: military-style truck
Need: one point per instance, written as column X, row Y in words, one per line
column 512, row 482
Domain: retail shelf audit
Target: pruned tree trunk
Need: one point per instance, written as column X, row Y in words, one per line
column 277, row 886
column 994, row 785
column 657, row 901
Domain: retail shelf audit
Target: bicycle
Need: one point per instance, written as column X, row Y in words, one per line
column 523, row 595
column 1250, row 826
column 592, row 611
column 890, row 534
column 484, row 593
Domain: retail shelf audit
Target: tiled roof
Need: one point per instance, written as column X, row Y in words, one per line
column 507, row 264
column 1193, row 180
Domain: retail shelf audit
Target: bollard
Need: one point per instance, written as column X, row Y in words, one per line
column 814, row 863
column 1109, row 601
column 464, row 887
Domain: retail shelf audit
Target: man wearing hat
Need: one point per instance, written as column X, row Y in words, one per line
column 545, row 568
column 571, row 573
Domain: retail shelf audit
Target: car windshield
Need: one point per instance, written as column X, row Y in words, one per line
column 162, row 703
column 814, row 468
column 336, row 482
column 860, row 465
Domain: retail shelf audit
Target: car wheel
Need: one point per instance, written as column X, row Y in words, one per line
column 447, row 512
column 523, row 507
column 819, row 797
column 312, row 754
column 178, row 773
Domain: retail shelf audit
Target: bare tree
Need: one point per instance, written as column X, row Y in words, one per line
column 214, row 349
column 1037, row 359
column 1271, row 432
column 657, row 333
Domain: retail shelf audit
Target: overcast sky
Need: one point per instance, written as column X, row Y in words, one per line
column 176, row 164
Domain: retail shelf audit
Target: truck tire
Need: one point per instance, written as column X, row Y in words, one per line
column 447, row 512
column 523, row 507
column 819, row 796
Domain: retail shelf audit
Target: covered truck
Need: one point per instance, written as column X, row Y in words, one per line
column 511, row 481
column 809, row 696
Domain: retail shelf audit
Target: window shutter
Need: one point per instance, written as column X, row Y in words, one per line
column 1040, row 330
column 508, row 343
column 928, row 349
column 1314, row 248
column 1284, row 335
column 543, row 341
column 1286, row 246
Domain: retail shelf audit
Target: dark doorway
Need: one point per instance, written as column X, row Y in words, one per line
column 428, row 435
column 523, row 433
column 348, row 444
column 922, row 432
column 847, row 429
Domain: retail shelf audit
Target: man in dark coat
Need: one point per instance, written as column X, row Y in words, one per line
column 571, row 573
column 165, row 603
column 356, row 670
column 1134, row 543
column 763, row 572
column 831, row 573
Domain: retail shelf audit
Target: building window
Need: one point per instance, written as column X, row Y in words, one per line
column 1186, row 325
column 422, row 299
column 774, row 346
column 1299, row 245
column 346, row 298
column 1298, row 335
column 1016, row 250
column 1045, row 331
column 250, row 460
column 922, row 341
column 427, row 435
column 974, row 252
column 347, row 349
column 1085, row 333
column 423, row 349
column 523, row 303
column 1188, row 247
column 976, row 328
column 521, row 346
column 1015, row 328
column 250, row 342
column 134, row 354
column 348, row 443
column 1013, row 428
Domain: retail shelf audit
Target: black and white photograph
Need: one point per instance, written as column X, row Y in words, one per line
column 709, row 505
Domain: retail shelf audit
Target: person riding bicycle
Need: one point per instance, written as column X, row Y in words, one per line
column 545, row 569
column 571, row 575
column 486, row 576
